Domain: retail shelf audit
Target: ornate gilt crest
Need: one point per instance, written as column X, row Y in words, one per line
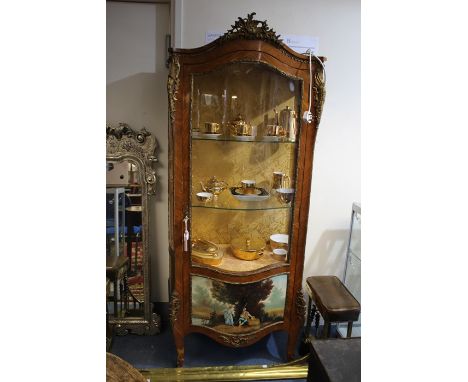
column 250, row 29
column 123, row 140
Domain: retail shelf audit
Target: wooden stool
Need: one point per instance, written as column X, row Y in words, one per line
column 333, row 301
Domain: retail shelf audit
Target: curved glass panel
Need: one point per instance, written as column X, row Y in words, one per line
column 244, row 138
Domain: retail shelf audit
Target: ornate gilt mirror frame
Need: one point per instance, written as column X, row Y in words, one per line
column 138, row 148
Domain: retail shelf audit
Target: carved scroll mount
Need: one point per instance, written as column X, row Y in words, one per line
column 235, row 341
column 173, row 84
column 319, row 95
column 175, row 306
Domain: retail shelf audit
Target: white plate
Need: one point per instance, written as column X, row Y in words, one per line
column 211, row 136
column 270, row 138
column 262, row 194
column 251, row 198
column 245, row 138
column 280, row 238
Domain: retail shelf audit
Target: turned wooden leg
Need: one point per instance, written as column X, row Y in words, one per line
column 317, row 322
column 350, row 329
column 304, row 347
column 310, row 316
column 326, row 329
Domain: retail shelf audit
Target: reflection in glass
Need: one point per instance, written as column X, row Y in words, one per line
column 244, row 132
column 124, row 236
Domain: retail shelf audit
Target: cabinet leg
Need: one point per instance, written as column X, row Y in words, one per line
column 292, row 341
column 179, row 342
column 180, row 357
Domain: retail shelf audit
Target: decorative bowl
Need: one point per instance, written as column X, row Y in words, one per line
column 285, row 195
column 279, row 240
column 206, row 252
column 204, row 196
column 248, row 249
column 254, row 194
column 279, row 254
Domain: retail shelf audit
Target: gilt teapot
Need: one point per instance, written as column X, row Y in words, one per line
column 214, row 186
column 239, row 126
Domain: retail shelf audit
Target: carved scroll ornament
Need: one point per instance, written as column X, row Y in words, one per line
column 175, row 306
column 173, row 84
column 319, row 95
column 250, row 29
column 123, row 140
column 235, row 340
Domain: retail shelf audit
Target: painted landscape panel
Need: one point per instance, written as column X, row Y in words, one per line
column 238, row 308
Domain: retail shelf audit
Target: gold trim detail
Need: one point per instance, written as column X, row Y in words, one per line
column 300, row 306
column 173, row 84
column 175, row 306
column 319, row 95
column 250, row 29
column 236, row 340
column 123, row 140
column 293, row 370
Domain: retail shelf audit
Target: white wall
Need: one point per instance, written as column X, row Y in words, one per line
column 136, row 94
column 336, row 175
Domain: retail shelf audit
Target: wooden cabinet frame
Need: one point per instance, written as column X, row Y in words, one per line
column 248, row 41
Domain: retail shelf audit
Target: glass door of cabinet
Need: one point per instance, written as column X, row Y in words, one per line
column 244, row 139
column 352, row 273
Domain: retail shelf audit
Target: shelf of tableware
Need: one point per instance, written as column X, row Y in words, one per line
column 232, row 264
column 226, row 201
column 243, row 139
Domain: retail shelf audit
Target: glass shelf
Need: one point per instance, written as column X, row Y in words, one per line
column 230, row 263
column 226, row 201
column 232, row 139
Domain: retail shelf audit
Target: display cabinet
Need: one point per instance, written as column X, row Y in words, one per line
column 240, row 178
column 352, row 272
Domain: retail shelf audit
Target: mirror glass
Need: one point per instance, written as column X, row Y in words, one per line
column 124, row 239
